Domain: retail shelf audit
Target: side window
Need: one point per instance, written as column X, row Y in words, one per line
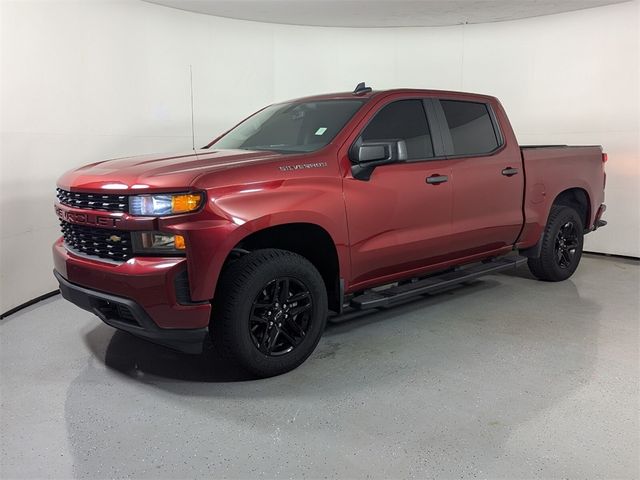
column 402, row 120
column 471, row 127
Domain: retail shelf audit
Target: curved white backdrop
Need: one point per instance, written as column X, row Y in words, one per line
column 85, row 81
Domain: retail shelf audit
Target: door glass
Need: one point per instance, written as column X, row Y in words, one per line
column 471, row 127
column 402, row 120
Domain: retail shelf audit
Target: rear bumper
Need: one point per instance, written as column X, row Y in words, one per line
column 598, row 222
column 148, row 296
column 127, row 315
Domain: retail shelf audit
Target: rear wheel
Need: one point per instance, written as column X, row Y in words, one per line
column 270, row 311
column 561, row 246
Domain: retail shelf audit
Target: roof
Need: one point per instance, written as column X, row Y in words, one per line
column 377, row 93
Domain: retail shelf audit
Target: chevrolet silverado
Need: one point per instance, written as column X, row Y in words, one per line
column 350, row 200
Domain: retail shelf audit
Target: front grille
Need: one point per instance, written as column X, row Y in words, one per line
column 93, row 201
column 99, row 242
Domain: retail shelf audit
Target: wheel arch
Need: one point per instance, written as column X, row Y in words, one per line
column 309, row 240
column 578, row 199
column 574, row 197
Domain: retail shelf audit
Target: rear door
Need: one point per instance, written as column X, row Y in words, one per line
column 487, row 176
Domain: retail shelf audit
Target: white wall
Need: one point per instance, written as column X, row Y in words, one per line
column 89, row 80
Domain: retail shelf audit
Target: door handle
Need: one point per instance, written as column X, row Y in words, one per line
column 437, row 179
column 510, row 172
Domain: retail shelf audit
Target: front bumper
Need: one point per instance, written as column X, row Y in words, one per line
column 142, row 296
column 127, row 315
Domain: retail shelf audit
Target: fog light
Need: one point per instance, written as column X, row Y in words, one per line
column 158, row 243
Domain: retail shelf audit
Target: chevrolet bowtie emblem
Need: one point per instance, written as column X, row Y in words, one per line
column 115, row 238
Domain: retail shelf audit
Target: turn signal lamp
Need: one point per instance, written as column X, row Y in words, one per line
column 178, row 241
column 185, row 203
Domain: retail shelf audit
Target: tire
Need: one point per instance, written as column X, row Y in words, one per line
column 268, row 330
column 561, row 246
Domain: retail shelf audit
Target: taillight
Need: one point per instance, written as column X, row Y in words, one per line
column 605, row 157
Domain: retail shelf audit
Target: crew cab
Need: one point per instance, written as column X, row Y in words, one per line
column 350, row 200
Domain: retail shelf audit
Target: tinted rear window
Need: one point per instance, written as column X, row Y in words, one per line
column 471, row 127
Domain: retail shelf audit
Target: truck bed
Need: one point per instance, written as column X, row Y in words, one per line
column 553, row 169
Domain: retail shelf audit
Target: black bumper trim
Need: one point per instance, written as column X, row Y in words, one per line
column 184, row 340
column 600, row 223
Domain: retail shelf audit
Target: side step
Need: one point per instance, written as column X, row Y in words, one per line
column 383, row 298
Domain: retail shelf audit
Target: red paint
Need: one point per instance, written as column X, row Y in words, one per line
column 390, row 227
column 556, row 170
column 149, row 281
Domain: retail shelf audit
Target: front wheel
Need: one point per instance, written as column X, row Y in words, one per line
column 561, row 246
column 270, row 311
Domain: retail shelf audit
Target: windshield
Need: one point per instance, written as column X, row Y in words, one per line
column 291, row 127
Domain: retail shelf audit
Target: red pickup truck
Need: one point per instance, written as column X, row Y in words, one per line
column 359, row 199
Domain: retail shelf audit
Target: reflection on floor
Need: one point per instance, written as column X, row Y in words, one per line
column 507, row 377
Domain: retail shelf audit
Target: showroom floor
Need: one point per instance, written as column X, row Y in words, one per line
column 507, row 377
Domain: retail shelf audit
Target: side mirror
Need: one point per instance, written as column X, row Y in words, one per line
column 372, row 153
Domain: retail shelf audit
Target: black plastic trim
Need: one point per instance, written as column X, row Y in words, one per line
column 509, row 171
column 341, row 296
column 361, row 89
column 434, row 283
column 545, row 146
column 496, row 125
column 534, row 251
column 443, row 127
column 182, row 289
column 435, row 128
column 437, row 179
column 184, row 340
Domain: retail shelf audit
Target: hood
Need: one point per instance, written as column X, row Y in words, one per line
column 158, row 172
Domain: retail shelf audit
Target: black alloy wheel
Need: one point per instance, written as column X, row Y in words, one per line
column 280, row 316
column 561, row 245
column 566, row 244
column 269, row 311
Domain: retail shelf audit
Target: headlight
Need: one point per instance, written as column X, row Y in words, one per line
column 164, row 204
column 158, row 243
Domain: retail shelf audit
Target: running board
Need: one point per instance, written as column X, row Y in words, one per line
column 383, row 298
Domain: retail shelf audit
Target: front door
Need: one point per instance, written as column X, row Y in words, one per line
column 400, row 218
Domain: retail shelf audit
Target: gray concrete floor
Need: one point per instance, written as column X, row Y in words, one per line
column 505, row 378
